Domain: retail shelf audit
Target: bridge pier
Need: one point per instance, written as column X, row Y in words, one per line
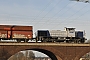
column 4, row 53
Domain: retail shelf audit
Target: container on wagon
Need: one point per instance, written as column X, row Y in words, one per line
column 16, row 32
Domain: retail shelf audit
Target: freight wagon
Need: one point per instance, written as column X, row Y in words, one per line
column 68, row 35
column 19, row 33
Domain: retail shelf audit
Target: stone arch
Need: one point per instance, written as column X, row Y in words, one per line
column 53, row 53
column 57, row 53
column 82, row 52
column 50, row 54
column 43, row 50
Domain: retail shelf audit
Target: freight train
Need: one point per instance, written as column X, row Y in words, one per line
column 25, row 33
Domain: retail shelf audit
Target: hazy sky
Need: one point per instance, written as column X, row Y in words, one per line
column 46, row 14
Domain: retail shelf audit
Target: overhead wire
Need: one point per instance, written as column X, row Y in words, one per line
column 66, row 11
column 56, row 13
column 79, row 15
column 61, row 22
column 69, row 17
column 42, row 10
column 49, row 11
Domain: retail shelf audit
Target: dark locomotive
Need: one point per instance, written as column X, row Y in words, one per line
column 25, row 33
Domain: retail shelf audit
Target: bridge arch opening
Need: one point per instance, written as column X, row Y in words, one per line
column 85, row 56
column 46, row 52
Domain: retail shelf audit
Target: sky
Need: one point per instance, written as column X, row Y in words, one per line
column 46, row 14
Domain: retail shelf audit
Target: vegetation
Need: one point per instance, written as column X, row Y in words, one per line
column 28, row 55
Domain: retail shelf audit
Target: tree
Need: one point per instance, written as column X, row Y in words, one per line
column 20, row 56
column 17, row 56
column 26, row 54
column 31, row 55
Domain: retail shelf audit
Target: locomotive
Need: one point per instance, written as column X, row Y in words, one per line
column 68, row 35
column 25, row 33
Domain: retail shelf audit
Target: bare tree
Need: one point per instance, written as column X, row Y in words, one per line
column 31, row 55
column 20, row 56
column 26, row 54
column 17, row 56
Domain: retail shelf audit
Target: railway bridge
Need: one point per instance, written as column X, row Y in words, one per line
column 56, row 51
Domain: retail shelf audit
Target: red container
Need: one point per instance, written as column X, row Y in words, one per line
column 20, row 28
column 15, row 27
column 14, row 31
column 22, row 34
column 5, row 27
